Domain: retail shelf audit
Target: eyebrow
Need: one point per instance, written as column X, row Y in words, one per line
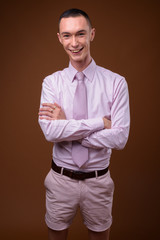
column 63, row 33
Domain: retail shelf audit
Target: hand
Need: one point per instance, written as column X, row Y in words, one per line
column 107, row 123
column 51, row 111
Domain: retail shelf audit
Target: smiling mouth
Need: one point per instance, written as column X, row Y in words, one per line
column 76, row 51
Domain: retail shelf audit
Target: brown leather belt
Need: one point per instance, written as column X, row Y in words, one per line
column 78, row 175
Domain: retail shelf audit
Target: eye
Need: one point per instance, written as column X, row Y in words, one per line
column 81, row 34
column 66, row 36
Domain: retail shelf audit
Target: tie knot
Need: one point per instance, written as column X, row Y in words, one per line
column 80, row 76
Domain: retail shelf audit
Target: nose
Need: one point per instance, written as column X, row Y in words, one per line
column 74, row 42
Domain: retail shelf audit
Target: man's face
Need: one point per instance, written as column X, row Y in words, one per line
column 75, row 35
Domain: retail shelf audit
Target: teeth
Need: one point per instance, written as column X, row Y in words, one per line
column 75, row 51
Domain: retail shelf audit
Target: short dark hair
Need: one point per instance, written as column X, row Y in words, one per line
column 74, row 12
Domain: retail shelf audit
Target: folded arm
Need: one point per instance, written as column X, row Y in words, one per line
column 93, row 133
column 117, row 136
column 56, row 127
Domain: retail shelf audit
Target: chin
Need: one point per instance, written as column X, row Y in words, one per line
column 76, row 59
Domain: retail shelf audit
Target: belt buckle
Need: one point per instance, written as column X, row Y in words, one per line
column 79, row 175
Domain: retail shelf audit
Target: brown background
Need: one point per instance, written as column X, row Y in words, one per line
column 126, row 42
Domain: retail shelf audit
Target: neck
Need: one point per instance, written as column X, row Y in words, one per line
column 81, row 65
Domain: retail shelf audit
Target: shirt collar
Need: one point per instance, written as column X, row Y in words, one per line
column 88, row 71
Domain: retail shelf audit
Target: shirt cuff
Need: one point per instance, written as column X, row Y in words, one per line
column 99, row 123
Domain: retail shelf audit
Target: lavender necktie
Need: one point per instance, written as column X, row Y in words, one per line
column 80, row 153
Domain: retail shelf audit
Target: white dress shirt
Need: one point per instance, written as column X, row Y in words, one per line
column 107, row 95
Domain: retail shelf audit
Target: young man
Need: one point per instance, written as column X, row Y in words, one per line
column 85, row 112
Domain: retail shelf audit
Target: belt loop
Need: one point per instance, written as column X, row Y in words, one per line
column 96, row 174
column 62, row 171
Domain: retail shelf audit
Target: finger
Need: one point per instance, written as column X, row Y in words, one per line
column 47, row 118
column 56, row 105
column 45, row 109
column 48, row 105
column 45, row 113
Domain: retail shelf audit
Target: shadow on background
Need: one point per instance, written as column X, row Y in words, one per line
column 127, row 42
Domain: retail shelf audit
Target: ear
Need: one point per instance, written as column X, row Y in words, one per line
column 92, row 35
column 59, row 38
